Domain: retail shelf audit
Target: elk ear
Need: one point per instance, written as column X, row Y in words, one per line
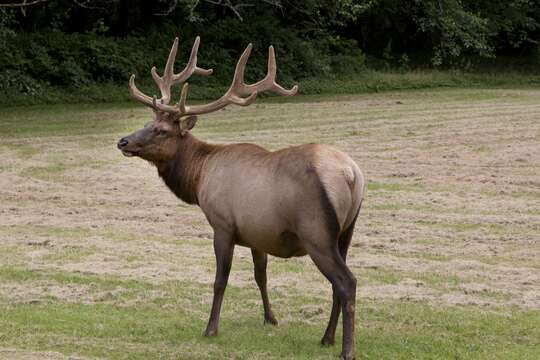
column 187, row 124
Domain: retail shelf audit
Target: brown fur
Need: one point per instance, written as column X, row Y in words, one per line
column 182, row 175
column 291, row 202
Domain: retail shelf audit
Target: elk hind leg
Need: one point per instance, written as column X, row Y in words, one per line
column 344, row 242
column 260, row 261
column 329, row 261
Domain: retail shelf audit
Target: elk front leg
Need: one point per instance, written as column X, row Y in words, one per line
column 223, row 249
column 260, row 260
column 330, row 333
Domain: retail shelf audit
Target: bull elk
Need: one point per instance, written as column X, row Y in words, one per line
column 292, row 202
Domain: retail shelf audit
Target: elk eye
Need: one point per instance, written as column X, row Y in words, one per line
column 162, row 132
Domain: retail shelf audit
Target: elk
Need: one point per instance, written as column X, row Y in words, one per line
column 301, row 200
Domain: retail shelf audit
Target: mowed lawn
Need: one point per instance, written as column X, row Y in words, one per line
column 99, row 260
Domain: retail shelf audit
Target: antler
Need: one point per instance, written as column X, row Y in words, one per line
column 169, row 78
column 238, row 93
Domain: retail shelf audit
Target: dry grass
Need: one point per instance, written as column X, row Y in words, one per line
column 451, row 219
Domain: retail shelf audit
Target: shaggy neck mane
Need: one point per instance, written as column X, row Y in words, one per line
column 182, row 175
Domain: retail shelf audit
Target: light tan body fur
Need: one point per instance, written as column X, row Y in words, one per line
column 265, row 195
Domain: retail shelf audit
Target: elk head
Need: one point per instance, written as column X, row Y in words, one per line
column 158, row 140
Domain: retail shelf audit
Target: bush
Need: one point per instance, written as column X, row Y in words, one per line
column 14, row 83
column 34, row 61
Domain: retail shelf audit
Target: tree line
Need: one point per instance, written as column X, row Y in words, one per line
column 73, row 43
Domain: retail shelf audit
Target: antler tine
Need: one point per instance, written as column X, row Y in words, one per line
column 269, row 82
column 169, row 78
column 168, row 72
column 165, row 82
column 238, row 86
column 191, row 67
column 138, row 95
column 182, row 102
column 238, row 80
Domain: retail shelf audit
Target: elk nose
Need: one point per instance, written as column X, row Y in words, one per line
column 123, row 142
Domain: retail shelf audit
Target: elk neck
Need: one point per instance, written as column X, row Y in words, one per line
column 183, row 173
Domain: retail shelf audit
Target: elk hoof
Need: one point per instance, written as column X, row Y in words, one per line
column 270, row 320
column 210, row 332
column 347, row 357
column 327, row 341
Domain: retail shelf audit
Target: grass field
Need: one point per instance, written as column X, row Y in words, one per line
column 99, row 260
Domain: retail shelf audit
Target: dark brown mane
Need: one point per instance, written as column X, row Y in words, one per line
column 182, row 174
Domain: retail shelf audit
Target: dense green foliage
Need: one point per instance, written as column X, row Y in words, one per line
column 77, row 44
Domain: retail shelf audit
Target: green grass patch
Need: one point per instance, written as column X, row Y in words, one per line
column 47, row 231
column 289, row 266
column 377, row 186
column 68, row 254
column 22, row 274
column 22, row 149
column 58, row 121
column 385, row 330
column 379, row 276
column 368, row 81
column 377, row 81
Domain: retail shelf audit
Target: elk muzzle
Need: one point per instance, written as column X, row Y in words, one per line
column 123, row 146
